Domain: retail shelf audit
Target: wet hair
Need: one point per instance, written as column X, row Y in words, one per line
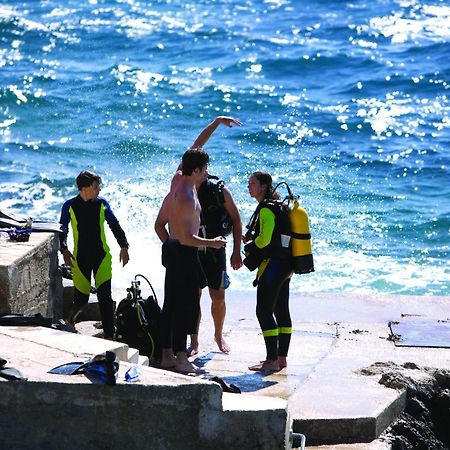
column 87, row 178
column 194, row 158
column 265, row 179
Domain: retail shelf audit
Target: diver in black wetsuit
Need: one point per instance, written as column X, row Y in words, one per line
column 266, row 250
column 87, row 213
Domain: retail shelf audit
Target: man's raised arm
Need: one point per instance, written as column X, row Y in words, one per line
column 204, row 136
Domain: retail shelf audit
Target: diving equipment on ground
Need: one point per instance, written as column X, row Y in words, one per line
column 102, row 368
column 19, row 228
column 137, row 321
column 10, row 373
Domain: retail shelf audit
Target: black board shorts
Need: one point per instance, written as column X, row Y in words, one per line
column 214, row 264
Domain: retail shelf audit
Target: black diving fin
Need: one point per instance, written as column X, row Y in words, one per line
column 101, row 368
column 10, row 373
column 67, row 369
column 13, row 221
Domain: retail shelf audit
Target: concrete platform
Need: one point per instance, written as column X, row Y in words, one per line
column 334, row 337
column 163, row 410
column 329, row 400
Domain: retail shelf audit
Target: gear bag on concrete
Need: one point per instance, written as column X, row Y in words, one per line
column 137, row 321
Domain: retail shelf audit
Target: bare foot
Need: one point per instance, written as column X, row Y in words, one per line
column 223, row 346
column 186, row 367
column 266, row 366
column 192, row 350
column 169, row 360
column 282, row 362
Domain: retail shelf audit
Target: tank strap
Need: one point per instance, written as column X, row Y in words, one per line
column 301, row 236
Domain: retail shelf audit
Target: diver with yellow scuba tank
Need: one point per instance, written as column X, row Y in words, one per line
column 278, row 243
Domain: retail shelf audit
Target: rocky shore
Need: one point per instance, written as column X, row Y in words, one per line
column 424, row 423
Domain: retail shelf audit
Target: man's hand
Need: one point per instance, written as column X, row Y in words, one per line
column 228, row 121
column 204, row 136
column 68, row 257
column 236, row 260
column 218, row 242
column 124, row 256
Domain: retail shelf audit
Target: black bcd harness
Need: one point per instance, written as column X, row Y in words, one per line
column 215, row 220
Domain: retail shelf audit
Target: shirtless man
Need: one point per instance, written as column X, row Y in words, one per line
column 184, row 276
column 213, row 261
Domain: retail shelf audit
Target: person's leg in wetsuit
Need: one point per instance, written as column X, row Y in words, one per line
column 82, row 285
column 272, row 311
column 106, row 306
column 181, row 304
column 283, row 318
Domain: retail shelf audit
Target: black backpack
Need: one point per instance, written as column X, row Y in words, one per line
column 214, row 216
column 137, row 321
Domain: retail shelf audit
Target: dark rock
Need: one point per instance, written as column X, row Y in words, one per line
column 418, row 410
column 443, row 378
column 393, row 380
column 425, row 422
column 418, row 433
column 440, row 407
column 401, row 443
column 411, row 365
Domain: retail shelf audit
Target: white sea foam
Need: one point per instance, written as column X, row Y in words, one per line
column 395, row 112
column 141, row 80
column 7, row 122
column 429, row 22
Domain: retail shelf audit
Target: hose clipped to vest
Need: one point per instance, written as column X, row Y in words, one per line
column 300, row 244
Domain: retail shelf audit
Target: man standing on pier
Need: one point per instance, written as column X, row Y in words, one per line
column 87, row 213
column 184, row 276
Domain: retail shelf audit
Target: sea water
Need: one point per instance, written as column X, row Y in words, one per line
column 347, row 101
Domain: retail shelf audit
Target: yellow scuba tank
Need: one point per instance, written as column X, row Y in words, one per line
column 301, row 250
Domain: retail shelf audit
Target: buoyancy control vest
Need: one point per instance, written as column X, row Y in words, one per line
column 279, row 245
column 215, row 220
column 291, row 236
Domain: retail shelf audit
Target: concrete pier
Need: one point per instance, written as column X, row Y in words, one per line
column 30, row 281
column 324, row 393
column 163, row 410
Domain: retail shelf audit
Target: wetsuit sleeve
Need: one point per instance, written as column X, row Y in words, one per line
column 113, row 223
column 64, row 221
column 266, row 227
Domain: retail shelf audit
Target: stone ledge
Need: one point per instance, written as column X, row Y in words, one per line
column 30, row 281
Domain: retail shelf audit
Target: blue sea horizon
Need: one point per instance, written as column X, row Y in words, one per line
column 346, row 101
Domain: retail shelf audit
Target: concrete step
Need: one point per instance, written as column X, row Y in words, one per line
column 353, row 410
column 133, row 356
column 74, row 343
column 143, row 360
column 201, row 415
column 336, row 403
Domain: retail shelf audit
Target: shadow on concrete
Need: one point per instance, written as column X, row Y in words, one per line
column 250, row 382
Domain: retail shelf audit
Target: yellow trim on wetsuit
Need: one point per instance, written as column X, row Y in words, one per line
column 80, row 282
column 285, row 330
column 104, row 272
column 269, row 333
